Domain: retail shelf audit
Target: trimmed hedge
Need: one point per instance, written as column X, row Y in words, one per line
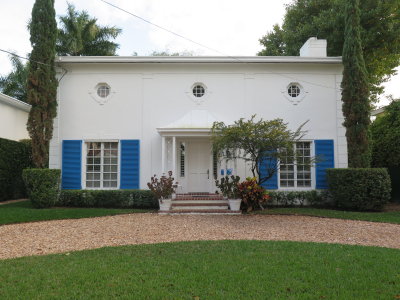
column 315, row 198
column 359, row 188
column 14, row 157
column 108, row 198
column 43, row 186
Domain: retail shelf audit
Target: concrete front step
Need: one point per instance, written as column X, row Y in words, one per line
column 202, row 212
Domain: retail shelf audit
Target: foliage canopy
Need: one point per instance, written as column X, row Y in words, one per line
column 355, row 90
column 14, row 84
column 80, row 35
column 42, row 82
column 325, row 19
column 385, row 131
column 253, row 140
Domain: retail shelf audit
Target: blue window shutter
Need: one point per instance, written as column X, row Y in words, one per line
column 130, row 164
column 71, row 165
column 324, row 153
column 272, row 183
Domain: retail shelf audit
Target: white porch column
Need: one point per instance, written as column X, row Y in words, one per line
column 163, row 150
column 174, row 156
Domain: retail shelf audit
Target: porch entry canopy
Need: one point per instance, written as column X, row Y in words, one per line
column 196, row 123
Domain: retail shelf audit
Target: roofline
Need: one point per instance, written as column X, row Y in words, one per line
column 15, row 102
column 197, row 59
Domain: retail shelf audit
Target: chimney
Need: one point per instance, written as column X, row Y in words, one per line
column 313, row 48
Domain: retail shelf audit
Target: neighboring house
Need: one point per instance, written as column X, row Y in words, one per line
column 13, row 118
column 123, row 119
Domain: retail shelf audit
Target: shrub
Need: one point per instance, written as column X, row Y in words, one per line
column 314, row 198
column 229, row 186
column 253, row 195
column 359, row 189
column 162, row 188
column 14, row 157
column 108, row 198
column 43, row 186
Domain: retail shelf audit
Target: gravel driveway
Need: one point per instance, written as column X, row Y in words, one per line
column 67, row 235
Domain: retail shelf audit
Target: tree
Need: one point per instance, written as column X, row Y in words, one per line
column 385, row 132
column 14, row 84
column 42, row 83
column 256, row 142
column 355, row 91
column 168, row 53
column 79, row 35
column 380, row 33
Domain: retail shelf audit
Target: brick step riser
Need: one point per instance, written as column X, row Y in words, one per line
column 202, row 207
column 200, row 202
column 198, row 198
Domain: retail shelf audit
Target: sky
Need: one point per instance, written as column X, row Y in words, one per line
column 232, row 27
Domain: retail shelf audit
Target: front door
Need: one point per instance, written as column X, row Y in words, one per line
column 199, row 161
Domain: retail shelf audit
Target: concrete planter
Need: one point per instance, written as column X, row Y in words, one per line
column 165, row 205
column 234, row 204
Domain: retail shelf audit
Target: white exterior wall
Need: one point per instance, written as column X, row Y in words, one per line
column 148, row 96
column 13, row 122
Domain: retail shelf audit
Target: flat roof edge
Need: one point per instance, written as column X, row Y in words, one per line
column 196, row 59
column 15, row 102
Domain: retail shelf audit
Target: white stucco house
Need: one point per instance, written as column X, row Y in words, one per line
column 123, row 119
column 13, row 118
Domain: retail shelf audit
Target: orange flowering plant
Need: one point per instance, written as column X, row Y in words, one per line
column 253, row 195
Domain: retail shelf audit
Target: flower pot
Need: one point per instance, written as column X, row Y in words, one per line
column 234, row 204
column 165, row 204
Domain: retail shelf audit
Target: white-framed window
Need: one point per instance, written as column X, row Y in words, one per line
column 295, row 172
column 102, row 165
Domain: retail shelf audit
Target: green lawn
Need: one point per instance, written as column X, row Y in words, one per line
column 20, row 212
column 387, row 217
column 207, row 270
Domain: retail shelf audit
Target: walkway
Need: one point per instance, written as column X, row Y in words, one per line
column 68, row 235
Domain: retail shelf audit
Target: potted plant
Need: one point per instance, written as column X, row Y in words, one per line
column 252, row 194
column 163, row 188
column 229, row 189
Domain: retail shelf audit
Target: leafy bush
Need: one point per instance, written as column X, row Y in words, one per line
column 385, row 131
column 43, row 186
column 229, row 186
column 253, row 195
column 14, row 157
column 299, row 198
column 359, row 189
column 162, row 188
column 108, row 198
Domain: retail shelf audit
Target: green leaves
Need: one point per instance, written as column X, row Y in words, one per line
column 42, row 82
column 385, row 132
column 355, row 90
column 251, row 139
column 325, row 19
column 80, row 35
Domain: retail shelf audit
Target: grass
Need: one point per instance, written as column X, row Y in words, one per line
column 207, row 270
column 19, row 212
column 387, row 217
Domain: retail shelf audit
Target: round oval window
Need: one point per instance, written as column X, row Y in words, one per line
column 199, row 91
column 103, row 91
column 294, row 90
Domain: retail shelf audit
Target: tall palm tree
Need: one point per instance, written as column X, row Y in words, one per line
column 79, row 35
column 14, row 84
